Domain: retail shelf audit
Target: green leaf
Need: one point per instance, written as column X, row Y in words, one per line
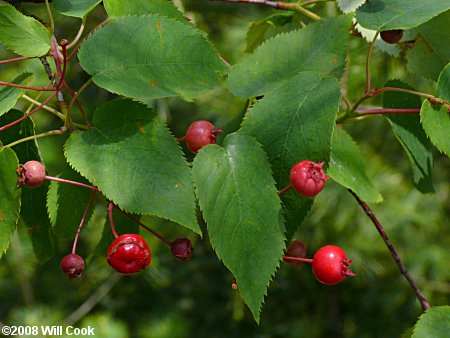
column 383, row 15
column 431, row 51
column 295, row 122
column 312, row 48
column 22, row 34
column 10, row 197
column 66, row 204
column 242, row 210
column 135, row 161
column 75, row 8
column 10, row 95
column 436, row 118
column 434, row 322
column 347, row 167
column 348, row 6
column 148, row 57
column 116, row 8
column 410, row 134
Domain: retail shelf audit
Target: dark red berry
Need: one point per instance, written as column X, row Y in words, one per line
column 32, row 174
column 392, row 36
column 296, row 249
column 308, row 178
column 182, row 249
column 129, row 254
column 330, row 265
column 72, row 265
column 200, row 134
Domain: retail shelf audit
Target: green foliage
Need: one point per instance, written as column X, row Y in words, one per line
column 22, row 34
column 116, row 8
column 75, row 8
column 383, row 15
column 180, row 61
column 347, row 167
column 312, row 48
column 348, row 6
column 133, row 159
column 433, row 323
column 10, row 95
column 240, row 204
column 410, row 134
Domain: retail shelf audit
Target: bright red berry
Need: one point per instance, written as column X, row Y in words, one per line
column 308, row 178
column 32, row 174
column 200, row 134
column 129, row 254
column 392, row 36
column 296, row 249
column 182, row 249
column 330, row 265
column 72, row 265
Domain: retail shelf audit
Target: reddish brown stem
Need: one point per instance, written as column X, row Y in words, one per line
column 181, row 139
column 282, row 191
column 75, row 241
column 388, row 111
column 38, row 89
column 111, row 219
column 79, row 184
column 298, row 259
column 420, row 296
column 15, row 59
column 77, row 102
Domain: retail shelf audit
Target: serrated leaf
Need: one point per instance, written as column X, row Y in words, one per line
column 312, row 48
column 116, row 8
column 434, row 322
column 410, row 134
column 431, row 51
column 150, row 56
column 436, row 118
column 382, row 15
column 347, row 167
column 368, row 35
column 241, row 207
column 22, row 34
column 75, row 8
column 349, row 6
column 135, row 161
column 295, row 122
column 10, row 95
column 10, row 197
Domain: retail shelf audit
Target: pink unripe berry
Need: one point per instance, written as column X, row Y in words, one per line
column 32, row 174
column 72, row 265
column 200, row 134
column 129, row 254
column 330, row 265
column 307, row 178
column 182, row 249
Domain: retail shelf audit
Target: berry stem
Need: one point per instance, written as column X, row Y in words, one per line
column 161, row 237
column 111, row 219
column 15, row 59
column 75, row 241
column 181, row 139
column 421, row 297
column 298, row 259
column 377, row 111
column 39, row 89
column 37, row 136
column 369, row 55
column 282, row 191
column 62, row 180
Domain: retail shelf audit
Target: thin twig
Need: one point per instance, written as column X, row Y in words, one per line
column 83, row 219
column 37, row 136
column 63, row 180
column 423, row 301
column 369, row 55
column 380, row 111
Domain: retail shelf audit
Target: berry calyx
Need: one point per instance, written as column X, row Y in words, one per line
column 72, row 265
column 296, row 249
column 392, row 36
column 32, row 174
column 330, row 265
column 200, row 134
column 307, row 178
column 181, row 249
column 129, row 253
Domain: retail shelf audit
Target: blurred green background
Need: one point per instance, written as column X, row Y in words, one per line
column 195, row 299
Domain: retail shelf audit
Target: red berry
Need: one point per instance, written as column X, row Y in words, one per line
column 182, row 249
column 296, row 249
column 392, row 36
column 129, row 254
column 32, row 174
column 200, row 134
column 308, row 178
column 72, row 265
column 330, row 265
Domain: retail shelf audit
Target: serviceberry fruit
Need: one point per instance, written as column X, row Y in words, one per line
column 32, row 174
column 297, row 249
column 200, row 134
column 392, row 36
column 72, row 265
column 308, row 178
column 129, row 254
column 330, row 265
column 182, row 249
